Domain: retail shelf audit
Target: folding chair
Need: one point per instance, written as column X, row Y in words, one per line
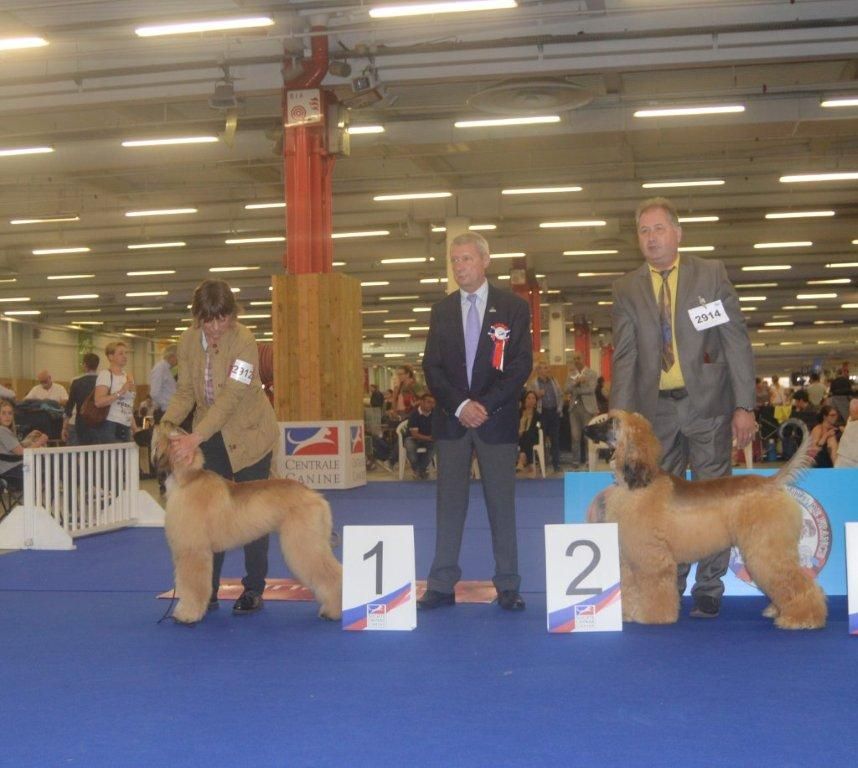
column 539, row 452
column 11, row 488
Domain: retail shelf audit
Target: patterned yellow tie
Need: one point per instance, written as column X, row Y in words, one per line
column 667, row 358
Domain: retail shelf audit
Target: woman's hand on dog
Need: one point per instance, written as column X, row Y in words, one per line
column 183, row 447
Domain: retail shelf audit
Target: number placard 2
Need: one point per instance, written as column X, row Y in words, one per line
column 852, row 575
column 582, row 578
column 378, row 577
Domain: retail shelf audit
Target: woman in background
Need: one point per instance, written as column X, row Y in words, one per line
column 9, row 443
column 115, row 388
column 528, row 432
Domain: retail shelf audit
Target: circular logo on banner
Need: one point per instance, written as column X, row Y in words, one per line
column 298, row 112
column 597, row 509
column 814, row 546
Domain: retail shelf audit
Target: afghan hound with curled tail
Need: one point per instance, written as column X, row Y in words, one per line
column 207, row 513
column 666, row 520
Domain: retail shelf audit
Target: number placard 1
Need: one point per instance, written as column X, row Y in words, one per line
column 582, row 578
column 378, row 577
column 852, row 575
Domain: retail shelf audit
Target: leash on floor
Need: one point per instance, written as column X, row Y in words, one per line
column 168, row 614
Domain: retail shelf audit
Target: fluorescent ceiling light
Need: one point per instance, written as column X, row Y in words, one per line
column 195, row 27
column 405, row 260
column 260, row 206
column 394, row 354
column 232, row 269
column 422, row 9
column 412, row 196
column 845, row 101
column 605, row 303
column 87, row 322
column 562, row 224
column 779, row 323
column 13, row 151
column 800, row 215
column 680, row 183
column 361, row 130
column 698, row 219
column 254, row 317
column 421, row 309
column 375, row 311
column 46, row 220
column 142, row 246
column 142, row 309
column 399, row 298
column 418, row 327
column 14, row 312
column 793, row 244
column 140, row 329
column 842, row 265
column 151, row 272
column 790, row 343
column 397, row 335
column 439, row 229
column 539, row 190
column 170, row 141
column 433, row 280
column 367, row 233
column 19, row 43
column 374, row 283
column 589, row 253
column 14, row 299
column 50, row 251
column 260, row 303
column 833, row 281
column 81, row 311
column 766, row 268
column 76, row 296
column 749, row 309
column 8, row 279
column 808, row 177
column 401, row 320
column 799, row 307
column 849, row 306
column 250, row 240
column 755, row 285
column 816, row 295
column 725, row 109
column 828, row 322
column 509, row 255
column 160, row 212
column 752, row 298
column 139, row 294
column 68, row 277
column 499, row 122
column 695, row 248
column 595, row 274
column 482, row 227
column 335, row 264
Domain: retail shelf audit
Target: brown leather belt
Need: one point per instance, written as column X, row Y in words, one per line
column 674, row 394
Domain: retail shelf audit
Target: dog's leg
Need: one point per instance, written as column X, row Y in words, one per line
column 630, row 591
column 193, row 584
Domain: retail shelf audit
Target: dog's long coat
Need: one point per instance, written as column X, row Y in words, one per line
column 665, row 520
column 207, row 513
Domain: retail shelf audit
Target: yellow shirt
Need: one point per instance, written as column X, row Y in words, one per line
column 671, row 379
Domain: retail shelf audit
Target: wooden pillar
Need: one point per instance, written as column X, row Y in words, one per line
column 318, row 365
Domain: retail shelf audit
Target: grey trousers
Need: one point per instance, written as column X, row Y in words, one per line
column 704, row 446
column 497, row 469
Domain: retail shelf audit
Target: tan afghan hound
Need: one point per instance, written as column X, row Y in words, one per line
column 665, row 520
column 208, row 514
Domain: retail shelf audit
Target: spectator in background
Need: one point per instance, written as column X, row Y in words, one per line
column 162, row 382
column 840, row 390
column 419, row 445
column 47, row 389
column 761, row 393
column 550, row 408
column 847, row 450
column 9, row 443
column 779, row 400
column 528, row 432
column 824, row 437
column 7, row 394
column 376, row 397
column 115, row 388
column 75, row 431
column 601, row 398
column 404, row 391
column 815, row 391
column 801, row 409
column 581, row 386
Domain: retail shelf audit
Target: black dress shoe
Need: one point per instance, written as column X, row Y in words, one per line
column 434, row 599
column 705, row 607
column 213, row 603
column 249, row 602
column 510, row 600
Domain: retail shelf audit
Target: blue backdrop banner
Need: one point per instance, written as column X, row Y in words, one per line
column 827, row 498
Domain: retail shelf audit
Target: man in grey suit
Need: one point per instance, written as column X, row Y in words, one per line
column 683, row 359
column 478, row 357
column 581, row 387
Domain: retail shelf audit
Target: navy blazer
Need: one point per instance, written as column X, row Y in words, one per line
column 498, row 391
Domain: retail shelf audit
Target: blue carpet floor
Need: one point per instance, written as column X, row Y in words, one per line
column 88, row 678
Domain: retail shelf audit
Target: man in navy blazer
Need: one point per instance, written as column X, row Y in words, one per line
column 477, row 411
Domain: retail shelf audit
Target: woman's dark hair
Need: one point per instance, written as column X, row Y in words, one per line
column 823, row 412
column 213, row 299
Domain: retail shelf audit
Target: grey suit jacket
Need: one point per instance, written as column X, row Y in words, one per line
column 717, row 363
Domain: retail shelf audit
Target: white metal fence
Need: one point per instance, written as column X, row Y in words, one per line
column 78, row 490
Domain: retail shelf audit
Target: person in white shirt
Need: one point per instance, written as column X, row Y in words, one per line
column 47, row 389
column 162, row 383
column 847, row 450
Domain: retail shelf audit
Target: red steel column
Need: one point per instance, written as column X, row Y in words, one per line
column 582, row 337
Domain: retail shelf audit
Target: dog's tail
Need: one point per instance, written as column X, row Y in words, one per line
column 801, row 459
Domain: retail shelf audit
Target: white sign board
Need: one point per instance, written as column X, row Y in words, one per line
column 852, row 575
column 303, row 107
column 582, row 578
column 378, row 577
column 323, row 454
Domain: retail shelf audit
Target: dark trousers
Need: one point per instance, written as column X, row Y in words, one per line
column 551, row 430
column 255, row 553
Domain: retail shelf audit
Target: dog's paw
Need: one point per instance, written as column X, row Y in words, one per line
column 184, row 616
column 771, row 611
column 329, row 615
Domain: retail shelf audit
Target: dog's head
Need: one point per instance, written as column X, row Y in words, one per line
column 161, row 451
column 637, row 450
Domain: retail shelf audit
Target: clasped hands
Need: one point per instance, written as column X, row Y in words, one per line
column 473, row 415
